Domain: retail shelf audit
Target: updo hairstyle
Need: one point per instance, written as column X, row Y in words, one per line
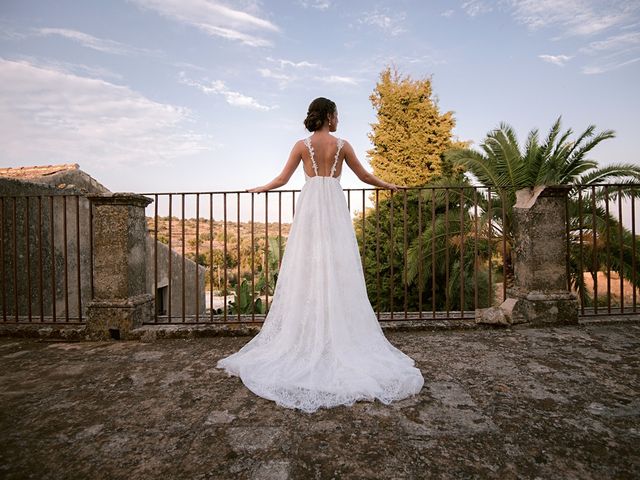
column 318, row 112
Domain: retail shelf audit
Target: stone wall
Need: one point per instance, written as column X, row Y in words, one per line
column 22, row 267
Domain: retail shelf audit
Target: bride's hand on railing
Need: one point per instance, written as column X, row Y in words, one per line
column 256, row 189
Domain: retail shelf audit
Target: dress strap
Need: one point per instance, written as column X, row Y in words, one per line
column 335, row 160
column 307, row 142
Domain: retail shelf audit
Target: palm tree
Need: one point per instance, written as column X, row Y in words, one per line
column 504, row 167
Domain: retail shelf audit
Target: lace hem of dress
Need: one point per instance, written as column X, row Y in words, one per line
column 309, row 401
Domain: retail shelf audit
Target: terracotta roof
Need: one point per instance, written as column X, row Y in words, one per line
column 37, row 171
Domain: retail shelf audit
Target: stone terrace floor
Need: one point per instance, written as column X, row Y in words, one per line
column 510, row 403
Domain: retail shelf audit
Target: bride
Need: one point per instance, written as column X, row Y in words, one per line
column 321, row 345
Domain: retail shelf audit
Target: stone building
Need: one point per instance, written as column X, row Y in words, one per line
column 35, row 205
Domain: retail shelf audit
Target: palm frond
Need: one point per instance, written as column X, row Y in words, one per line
column 616, row 171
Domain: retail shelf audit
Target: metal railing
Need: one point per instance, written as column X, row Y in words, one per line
column 428, row 253
column 45, row 258
column 603, row 248
column 467, row 231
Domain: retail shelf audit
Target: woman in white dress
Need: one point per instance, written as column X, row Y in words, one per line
column 321, row 344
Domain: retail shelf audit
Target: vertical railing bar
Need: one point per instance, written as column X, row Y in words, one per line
column 28, row 257
column 155, row 258
column 420, row 253
column 391, row 254
column 433, row 253
column 40, row 265
column 66, row 260
column 279, row 230
column 14, row 228
column 608, row 242
column 224, row 254
column 462, row 240
column 79, row 277
column 490, row 239
column 348, row 190
column 211, row 256
column 475, row 249
column 446, row 250
column 170, row 254
column 3, row 282
column 238, row 254
column 53, row 260
column 253, row 261
column 266, row 250
column 621, row 244
column 567, row 233
column 404, row 252
column 197, row 265
column 378, row 280
column 581, row 251
column 594, row 254
column 504, row 247
column 633, row 246
column 91, row 246
column 182, row 276
column 364, row 238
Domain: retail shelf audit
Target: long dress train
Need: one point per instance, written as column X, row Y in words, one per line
column 321, row 344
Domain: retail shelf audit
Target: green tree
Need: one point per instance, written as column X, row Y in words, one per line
column 409, row 140
column 410, row 134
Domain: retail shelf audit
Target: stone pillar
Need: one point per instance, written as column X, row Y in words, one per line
column 540, row 294
column 120, row 302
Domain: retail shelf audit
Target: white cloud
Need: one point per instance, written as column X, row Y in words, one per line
column 89, row 41
column 476, row 7
column 573, row 17
column 317, row 4
column 69, row 67
column 214, row 19
column 288, row 63
column 559, row 60
column 52, row 116
column 624, row 41
column 390, row 23
column 282, row 78
column 447, row 13
column 606, row 67
column 340, row 80
column 218, row 87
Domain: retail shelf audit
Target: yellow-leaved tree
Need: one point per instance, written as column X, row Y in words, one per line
column 410, row 134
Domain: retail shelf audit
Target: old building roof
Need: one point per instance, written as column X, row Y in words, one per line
column 36, row 170
column 62, row 176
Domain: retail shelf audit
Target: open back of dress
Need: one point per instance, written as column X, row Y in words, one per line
column 321, row 344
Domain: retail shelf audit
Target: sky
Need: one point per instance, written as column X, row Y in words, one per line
column 210, row 95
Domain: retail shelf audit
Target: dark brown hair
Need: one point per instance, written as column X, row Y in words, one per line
column 318, row 112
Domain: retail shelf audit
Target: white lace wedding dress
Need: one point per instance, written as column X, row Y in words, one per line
column 321, row 344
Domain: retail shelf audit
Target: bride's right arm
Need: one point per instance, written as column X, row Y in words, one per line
column 367, row 177
column 294, row 159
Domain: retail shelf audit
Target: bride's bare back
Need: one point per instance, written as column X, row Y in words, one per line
column 324, row 148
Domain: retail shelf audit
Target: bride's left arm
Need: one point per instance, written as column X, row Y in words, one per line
column 292, row 163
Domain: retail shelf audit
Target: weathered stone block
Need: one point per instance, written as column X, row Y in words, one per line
column 120, row 302
column 540, row 295
column 539, row 227
column 114, row 319
column 119, row 246
column 543, row 308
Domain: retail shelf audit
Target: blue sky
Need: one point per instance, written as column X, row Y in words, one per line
column 201, row 95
